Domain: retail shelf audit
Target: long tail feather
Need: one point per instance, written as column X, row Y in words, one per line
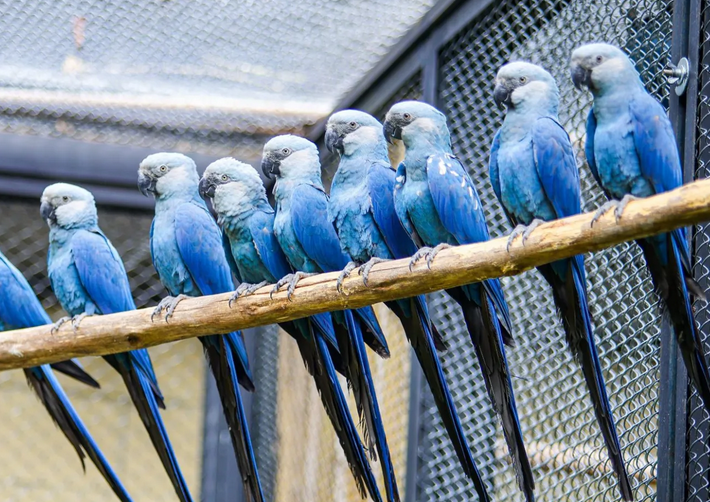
column 671, row 281
column 352, row 348
column 142, row 392
column 73, row 369
column 487, row 337
column 571, row 301
column 372, row 333
column 222, row 363
column 417, row 328
column 50, row 392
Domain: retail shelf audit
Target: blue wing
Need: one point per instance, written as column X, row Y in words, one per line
column 589, row 147
column 315, row 233
column 199, row 241
column 455, row 198
column 381, row 185
column 401, row 209
column 19, row 307
column 261, row 225
column 230, row 259
column 101, row 272
column 556, row 166
column 655, row 144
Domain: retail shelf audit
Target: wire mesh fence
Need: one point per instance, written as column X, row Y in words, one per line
column 568, row 455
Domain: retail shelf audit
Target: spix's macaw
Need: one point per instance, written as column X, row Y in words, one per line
column 361, row 207
column 247, row 220
column 186, row 246
column 631, row 151
column 88, row 278
column 534, row 175
column 438, row 206
column 311, row 245
column 20, row 308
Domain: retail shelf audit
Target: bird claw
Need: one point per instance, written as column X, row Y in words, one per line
column 168, row 304
column 529, row 229
column 59, row 324
column 291, row 280
column 428, row 253
column 517, row 232
column 364, row 270
column 345, row 273
column 245, row 289
column 76, row 320
column 421, row 253
column 617, row 205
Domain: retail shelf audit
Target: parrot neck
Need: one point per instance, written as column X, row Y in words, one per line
column 365, row 142
column 352, row 171
column 613, row 102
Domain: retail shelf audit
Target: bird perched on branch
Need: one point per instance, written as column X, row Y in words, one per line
column 247, row 220
column 311, row 245
column 88, row 278
column 631, row 151
column 534, row 175
column 186, row 246
column 361, row 207
column 438, row 206
column 20, row 308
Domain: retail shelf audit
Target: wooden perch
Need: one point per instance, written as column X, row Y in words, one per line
column 101, row 335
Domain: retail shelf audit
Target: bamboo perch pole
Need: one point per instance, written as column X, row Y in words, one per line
column 456, row 266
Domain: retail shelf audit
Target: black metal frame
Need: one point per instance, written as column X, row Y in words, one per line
column 419, row 51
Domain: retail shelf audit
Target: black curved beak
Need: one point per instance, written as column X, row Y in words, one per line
column 391, row 130
column 206, row 188
column 47, row 212
column 270, row 167
column 146, row 185
column 333, row 141
column 502, row 97
column 581, row 77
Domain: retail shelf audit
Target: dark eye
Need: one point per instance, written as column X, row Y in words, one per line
column 286, row 151
column 523, row 80
column 65, row 199
column 599, row 59
column 163, row 168
column 407, row 116
column 225, row 177
column 353, row 124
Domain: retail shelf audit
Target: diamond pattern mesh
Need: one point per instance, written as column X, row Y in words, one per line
column 698, row 454
column 568, row 456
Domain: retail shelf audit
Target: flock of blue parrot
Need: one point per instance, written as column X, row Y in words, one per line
column 375, row 212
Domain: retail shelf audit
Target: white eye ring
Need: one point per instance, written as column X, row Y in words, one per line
column 286, row 151
column 163, row 168
column 225, row 177
column 523, row 80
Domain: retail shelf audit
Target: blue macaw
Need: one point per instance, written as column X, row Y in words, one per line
column 311, row 245
column 247, row 220
column 186, row 246
column 534, row 175
column 20, row 308
column 361, row 208
column 88, row 278
column 631, row 151
column 438, row 206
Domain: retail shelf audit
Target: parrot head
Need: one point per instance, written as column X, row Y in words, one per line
column 165, row 174
column 288, row 157
column 232, row 185
column 599, row 67
column 413, row 121
column 521, row 84
column 68, row 206
column 347, row 130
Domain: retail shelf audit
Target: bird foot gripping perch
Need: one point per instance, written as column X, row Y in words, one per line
column 291, row 280
column 617, row 205
column 245, row 289
column 344, row 274
column 428, row 253
column 75, row 321
column 523, row 230
column 169, row 303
